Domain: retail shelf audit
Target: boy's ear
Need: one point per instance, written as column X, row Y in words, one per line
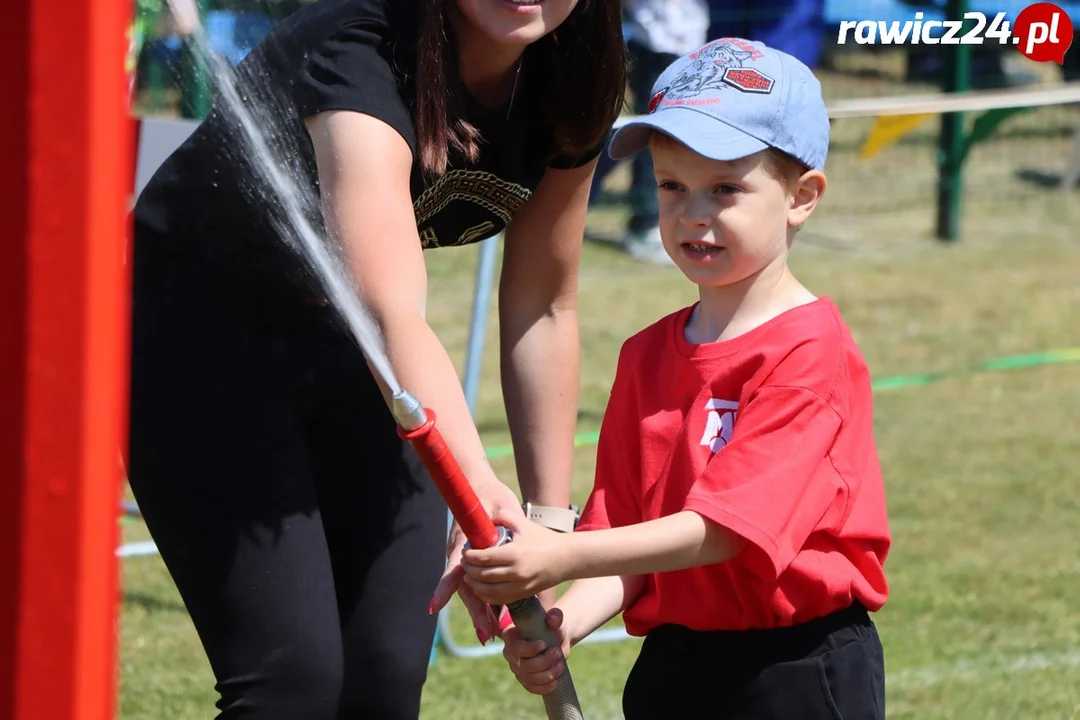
column 805, row 197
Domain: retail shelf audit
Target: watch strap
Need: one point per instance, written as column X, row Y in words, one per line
column 554, row 518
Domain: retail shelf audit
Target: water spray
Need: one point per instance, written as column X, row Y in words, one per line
column 416, row 424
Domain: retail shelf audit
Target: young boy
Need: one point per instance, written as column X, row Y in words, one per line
column 738, row 517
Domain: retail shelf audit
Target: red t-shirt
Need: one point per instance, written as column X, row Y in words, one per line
column 770, row 435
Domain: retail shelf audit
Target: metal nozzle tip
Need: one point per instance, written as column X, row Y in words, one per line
column 407, row 410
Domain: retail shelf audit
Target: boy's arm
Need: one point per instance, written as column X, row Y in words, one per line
column 540, row 558
column 592, row 602
column 675, row 542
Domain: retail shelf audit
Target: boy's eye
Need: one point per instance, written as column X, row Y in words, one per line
column 668, row 185
column 727, row 189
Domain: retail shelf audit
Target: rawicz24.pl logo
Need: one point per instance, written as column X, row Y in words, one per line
column 1042, row 32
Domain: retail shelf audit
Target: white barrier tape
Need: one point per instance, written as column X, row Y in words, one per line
column 446, row 639
column 137, row 549
column 495, row 647
column 942, row 102
column 963, row 669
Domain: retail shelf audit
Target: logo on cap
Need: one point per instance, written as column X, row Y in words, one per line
column 706, row 67
column 748, row 80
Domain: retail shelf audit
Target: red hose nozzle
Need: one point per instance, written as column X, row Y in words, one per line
column 417, row 425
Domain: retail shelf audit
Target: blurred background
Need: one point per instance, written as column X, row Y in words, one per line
column 1009, row 157
column 949, row 241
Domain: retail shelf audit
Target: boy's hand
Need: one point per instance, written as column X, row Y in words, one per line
column 533, row 561
column 536, row 666
column 500, row 501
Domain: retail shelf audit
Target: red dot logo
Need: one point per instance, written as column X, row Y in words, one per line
column 654, row 101
column 1043, row 32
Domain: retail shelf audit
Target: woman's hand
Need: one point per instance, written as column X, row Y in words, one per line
column 500, row 502
column 535, row 560
column 536, row 666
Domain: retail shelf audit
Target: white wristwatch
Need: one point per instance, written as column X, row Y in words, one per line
column 559, row 519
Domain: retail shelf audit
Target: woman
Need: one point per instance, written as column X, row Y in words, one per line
column 303, row 535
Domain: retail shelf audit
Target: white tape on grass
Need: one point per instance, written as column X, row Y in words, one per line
column 446, row 639
column 137, row 549
column 972, row 669
column 980, row 668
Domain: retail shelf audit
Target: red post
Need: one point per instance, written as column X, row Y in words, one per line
column 65, row 178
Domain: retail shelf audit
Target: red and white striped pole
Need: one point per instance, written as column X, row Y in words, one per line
column 65, row 180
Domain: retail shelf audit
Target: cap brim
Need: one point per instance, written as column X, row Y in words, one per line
column 705, row 135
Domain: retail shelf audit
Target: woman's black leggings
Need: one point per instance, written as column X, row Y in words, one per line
column 304, row 536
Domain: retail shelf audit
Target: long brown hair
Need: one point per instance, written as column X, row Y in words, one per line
column 580, row 83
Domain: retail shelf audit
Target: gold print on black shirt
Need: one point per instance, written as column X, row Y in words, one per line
column 428, row 238
column 476, row 231
column 497, row 196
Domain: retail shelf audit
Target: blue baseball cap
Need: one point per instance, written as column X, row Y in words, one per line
column 731, row 98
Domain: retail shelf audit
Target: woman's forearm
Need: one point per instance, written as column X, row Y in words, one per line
column 365, row 169
column 424, row 368
column 592, row 602
column 540, row 387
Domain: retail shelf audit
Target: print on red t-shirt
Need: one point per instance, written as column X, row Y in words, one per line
column 769, row 434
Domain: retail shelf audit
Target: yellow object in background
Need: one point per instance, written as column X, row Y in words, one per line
column 889, row 129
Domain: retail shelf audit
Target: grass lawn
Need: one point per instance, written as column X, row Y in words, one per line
column 981, row 467
column 980, row 470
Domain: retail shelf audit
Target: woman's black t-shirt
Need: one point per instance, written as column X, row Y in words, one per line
column 214, row 198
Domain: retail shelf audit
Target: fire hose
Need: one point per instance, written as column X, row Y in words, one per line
column 416, row 424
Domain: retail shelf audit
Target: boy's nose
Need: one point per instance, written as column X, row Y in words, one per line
column 698, row 211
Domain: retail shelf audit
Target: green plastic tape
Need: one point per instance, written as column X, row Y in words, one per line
column 894, row 382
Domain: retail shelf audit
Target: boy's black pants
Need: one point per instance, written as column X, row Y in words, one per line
column 828, row 669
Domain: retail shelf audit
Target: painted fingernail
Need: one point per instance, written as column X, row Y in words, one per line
column 504, row 620
column 431, row 606
column 480, row 637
